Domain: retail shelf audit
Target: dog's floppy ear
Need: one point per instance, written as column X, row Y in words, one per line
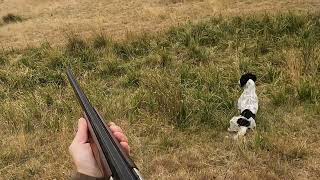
column 244, row 78
column 243, row 122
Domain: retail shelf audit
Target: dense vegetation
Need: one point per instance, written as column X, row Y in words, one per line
column 174, row 93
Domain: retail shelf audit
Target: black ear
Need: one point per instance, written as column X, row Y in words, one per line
column 243, row 122
column 244, row 78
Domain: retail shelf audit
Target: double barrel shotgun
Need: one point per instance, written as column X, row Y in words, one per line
column 113, row 161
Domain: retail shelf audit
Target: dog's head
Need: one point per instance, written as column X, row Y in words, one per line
column 245, row 78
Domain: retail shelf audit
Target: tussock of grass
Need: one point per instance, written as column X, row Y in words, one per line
column 75, row 44
column 101, row 41
column 11, row 18
column 174, row 94
column 133, row 48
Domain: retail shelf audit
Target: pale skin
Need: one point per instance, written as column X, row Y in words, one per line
column 82, row 154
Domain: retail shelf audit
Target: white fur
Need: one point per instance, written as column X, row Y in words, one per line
column 241, row 132
column 234, row 125
column 249, row 98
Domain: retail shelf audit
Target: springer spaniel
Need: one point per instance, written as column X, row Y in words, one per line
column 248, row 106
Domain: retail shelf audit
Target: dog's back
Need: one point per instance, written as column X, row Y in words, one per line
column 248, row 99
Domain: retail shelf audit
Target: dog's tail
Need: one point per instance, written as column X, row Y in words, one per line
column 245, row 78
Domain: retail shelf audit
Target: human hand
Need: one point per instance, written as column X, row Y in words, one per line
column 81, row 151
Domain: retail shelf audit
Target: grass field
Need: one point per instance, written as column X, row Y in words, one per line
column 173, row 93
column 47, row 20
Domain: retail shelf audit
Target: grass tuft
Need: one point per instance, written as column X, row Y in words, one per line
column 132, row 49
column 11, row 18
column 75, row 44
column 308, row 92
column 101, row 41
column 3, row 60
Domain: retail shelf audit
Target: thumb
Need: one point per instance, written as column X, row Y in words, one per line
column 82, row 133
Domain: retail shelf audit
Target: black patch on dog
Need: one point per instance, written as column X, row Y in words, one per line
column 243, row 122
column 244, row 78
column 248, row 114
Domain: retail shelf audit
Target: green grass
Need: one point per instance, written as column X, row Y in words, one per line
column 174, row 94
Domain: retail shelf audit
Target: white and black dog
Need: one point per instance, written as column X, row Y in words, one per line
column 248, row 106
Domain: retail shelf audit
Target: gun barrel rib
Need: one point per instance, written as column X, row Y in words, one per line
column 121, row 167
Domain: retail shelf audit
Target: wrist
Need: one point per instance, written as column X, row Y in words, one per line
column 89, row 172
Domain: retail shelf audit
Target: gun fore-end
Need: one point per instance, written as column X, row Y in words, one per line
column 98, row 153
column 112, row 159
column 123, row 153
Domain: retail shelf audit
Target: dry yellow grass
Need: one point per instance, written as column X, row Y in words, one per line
column 294, row 66
column 51, row 20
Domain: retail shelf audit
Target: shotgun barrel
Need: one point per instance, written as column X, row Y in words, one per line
column 110, row 156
